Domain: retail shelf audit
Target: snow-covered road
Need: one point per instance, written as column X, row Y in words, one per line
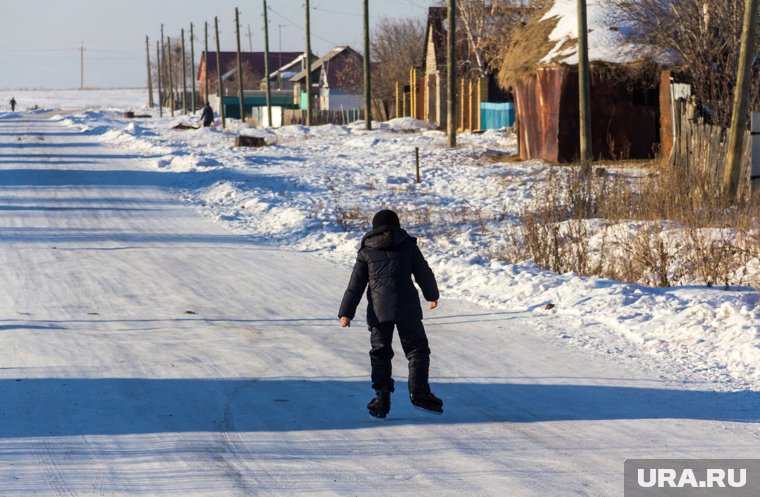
column 146, row 351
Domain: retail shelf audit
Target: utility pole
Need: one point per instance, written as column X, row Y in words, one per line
column 250, row 38
column 192, row 65
column 367, row 75
column 162, row 88
column 158, row 69
column 241, row 93
column 308, row 66
column 279, row 57
column 150, row 76
column 266, row 64
column 741, row 96
column 184, row 74
column 584, row 91
column 451, row 76
column 171, row 75
column 219, row 72
column 81, row 67
column 205, row 59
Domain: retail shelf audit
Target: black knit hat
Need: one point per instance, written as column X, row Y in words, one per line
column 385, row 218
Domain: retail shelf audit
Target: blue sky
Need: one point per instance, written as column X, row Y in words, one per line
column 40, row 39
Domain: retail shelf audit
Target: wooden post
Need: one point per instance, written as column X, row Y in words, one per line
column 403, row 105
column 451, row 74
column 158, row 70
column 219, row 73
column 184, row 74
column 241, row 94
column 171, row 75
column 414, row 93
column 150, row 75
column 584, row 91
column 470, row 108
column 367, row 75
column 266, row 65
column 396, row 110
column 462, row 110
column 192, row 66
column 308, row 64
column 480, row 101
column 425, row 98
column 732, row 172
column 417, row 161
column 205, row 60
column 162, row 87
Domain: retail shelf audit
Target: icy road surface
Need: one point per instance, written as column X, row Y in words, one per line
column 147, row 351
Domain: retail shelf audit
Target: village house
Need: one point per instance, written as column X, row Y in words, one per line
column 253, row 64
column 541, row 67
column 338, row 77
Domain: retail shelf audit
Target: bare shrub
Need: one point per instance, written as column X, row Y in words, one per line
column 667, row 231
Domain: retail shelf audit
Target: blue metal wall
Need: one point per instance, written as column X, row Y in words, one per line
column 496, row 116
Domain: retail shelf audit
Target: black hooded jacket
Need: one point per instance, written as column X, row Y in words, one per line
column 387, row 260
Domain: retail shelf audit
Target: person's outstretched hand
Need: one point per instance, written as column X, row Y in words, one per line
column 345, row 322
column 433, row 304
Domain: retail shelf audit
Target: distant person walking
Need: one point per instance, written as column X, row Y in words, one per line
column 207, row 116
column 13, row 104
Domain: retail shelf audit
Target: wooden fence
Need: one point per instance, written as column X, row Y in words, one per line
column 344, row 116
column 699, row 150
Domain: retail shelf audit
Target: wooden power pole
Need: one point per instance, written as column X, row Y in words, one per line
column 158, row 70
column 150, row 76
column 451, row 76
column 266, row 64
column 172, row 102
column 367, row 75
column 162, row 88
column 741, row 96
column 184, row 74
column 192, row 66
column 308, row 66
column 219, row 72
column 584, row 91
column 241, row 93
column 81, row 67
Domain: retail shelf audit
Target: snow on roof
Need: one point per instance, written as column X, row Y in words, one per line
column 606, row 40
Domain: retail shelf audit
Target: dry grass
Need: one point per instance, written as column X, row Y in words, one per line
column 657, row 230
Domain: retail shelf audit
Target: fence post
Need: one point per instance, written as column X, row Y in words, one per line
column 417, row 161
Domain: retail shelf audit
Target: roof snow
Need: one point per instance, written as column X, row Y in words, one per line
column 606, row 40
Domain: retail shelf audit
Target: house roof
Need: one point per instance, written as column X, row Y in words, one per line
column 607, row 39
column 336, row 62
column 255, row 60
column 551, row 37
column 290, row 67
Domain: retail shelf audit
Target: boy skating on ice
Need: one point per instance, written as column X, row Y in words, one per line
column 387, row 260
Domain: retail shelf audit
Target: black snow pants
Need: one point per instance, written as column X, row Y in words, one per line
column 415, row 345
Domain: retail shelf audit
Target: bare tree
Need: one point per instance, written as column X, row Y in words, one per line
column 704, row 35
column 485, row 25
column 396, row 46
column 251, row 79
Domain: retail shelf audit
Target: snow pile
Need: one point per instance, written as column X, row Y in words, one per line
column 315, row 189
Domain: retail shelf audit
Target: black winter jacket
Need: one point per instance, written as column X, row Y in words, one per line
column 387, row 260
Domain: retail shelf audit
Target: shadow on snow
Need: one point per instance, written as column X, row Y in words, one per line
column 122, row 406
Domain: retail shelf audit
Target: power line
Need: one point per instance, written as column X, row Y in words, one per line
column 301, row 27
